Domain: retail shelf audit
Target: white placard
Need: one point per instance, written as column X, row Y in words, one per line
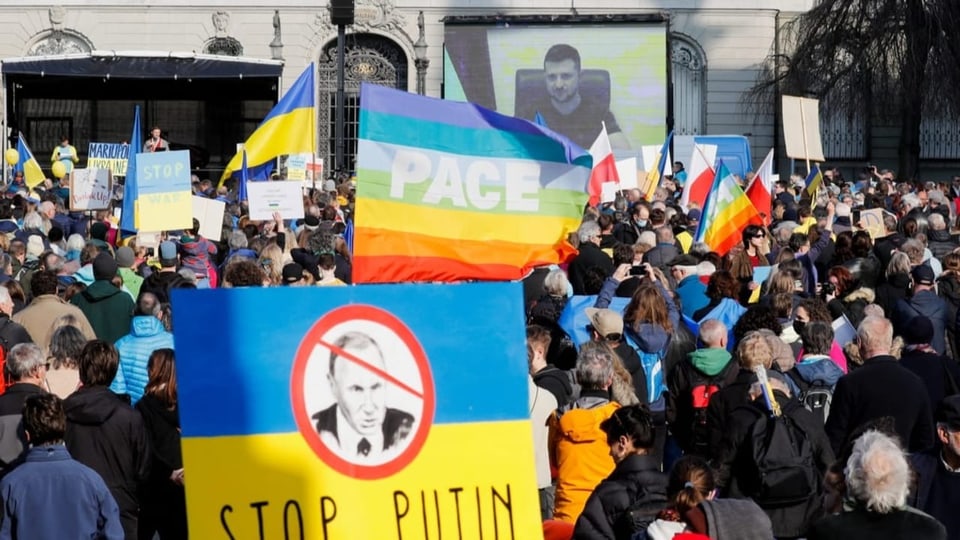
column 209, row 213
column 627, row 171
column 90, row 189
column 801, row 128
column 265, row 198
column 608, row 191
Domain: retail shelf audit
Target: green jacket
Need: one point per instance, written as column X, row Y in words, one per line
column 108, row 309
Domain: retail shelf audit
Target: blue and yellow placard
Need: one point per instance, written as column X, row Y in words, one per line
column 374, row 412
column 163, row 191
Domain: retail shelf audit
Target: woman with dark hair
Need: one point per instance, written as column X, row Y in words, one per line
column 842, row 248
column 864, row 265
column 63, row 375
column 722, row 289
column 16, row 294
column 627, row 501
column 752, row 254
column 162, row 504
column 845, row 296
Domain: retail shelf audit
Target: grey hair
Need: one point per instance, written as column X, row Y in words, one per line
column 23, row 359
column 665, row 235
column 712, row 331
column 876, row 334
column 556, row 283
column 237, row 240
column 706, row 268
column 594, row 366
column 699, row 249
column 910, row 199
column 877, row 473
column 587, row 230
column 936, row 222
column 899, row 264
column 33, row 220
column 75, row 242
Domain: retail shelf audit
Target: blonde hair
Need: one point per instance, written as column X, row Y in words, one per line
column 271, row 261
column 753, row 350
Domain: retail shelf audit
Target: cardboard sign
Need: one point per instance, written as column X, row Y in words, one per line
column 265, row 198
column 872, row 221
column 90, row 189
column 801, row 128
column 209, row 213
column 352, row 408
column 111, row 156
column 163, row 187
column 304, row 167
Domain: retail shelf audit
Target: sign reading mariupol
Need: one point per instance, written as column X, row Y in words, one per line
column 111, row 156
column 355, row 415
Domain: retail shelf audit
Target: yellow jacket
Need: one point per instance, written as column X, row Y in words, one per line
column 580, row 452
column 57, row 156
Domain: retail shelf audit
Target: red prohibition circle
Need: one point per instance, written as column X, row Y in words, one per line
column 305, row 425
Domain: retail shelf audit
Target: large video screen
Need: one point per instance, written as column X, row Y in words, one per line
column 568, row 77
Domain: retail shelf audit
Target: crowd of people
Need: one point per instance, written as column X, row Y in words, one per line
column 803, row 385
column 89, row 421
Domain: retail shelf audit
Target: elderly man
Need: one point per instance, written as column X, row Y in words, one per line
column 27, row 365
column 881, row 387
column 877, row 479
column 590, row 256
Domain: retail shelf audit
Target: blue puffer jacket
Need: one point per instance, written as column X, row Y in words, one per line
column 147, row 334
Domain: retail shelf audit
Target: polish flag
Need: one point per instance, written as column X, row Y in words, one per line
column 701, row 176
column 760, row 190
column 604, row 165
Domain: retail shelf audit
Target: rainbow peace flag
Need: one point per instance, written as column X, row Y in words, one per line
column 726, row 213
column 451, row 191
column 289, row 128
column 273, row 433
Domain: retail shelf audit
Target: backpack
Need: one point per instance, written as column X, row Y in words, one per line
column 653, row 368
column 643, row 510
column 815, row 397
column 785, row 471
column 701, row 391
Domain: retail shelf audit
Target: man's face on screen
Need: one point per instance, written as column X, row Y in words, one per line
column 563, row 80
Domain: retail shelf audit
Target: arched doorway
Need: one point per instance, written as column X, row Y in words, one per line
column 688, row 65
column 368, row 58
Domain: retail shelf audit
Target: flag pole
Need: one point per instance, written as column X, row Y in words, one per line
column 803, row 128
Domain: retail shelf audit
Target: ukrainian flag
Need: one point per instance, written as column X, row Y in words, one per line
column 814, row 179
column 32, row 173
column 289, row 128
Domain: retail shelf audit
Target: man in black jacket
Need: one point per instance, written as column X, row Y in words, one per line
column 28, row 367
column 937, row 471
column 549, row 377
column 589, row 257
column 882, row 387
column 105, row 433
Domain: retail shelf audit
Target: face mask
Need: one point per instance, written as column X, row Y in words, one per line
column 798, row 326
column 641, row 223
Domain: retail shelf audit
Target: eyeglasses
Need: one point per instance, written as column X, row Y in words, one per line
column 760, row 235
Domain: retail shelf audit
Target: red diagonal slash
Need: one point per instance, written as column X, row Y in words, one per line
column 368, row 366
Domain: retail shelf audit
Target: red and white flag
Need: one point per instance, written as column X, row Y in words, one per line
column 604, row 165
column 760, row 190
column 700, row 176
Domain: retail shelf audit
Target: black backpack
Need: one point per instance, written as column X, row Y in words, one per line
column 702, row 389
column 815, row 397
column 643, row 510
column 785, row 471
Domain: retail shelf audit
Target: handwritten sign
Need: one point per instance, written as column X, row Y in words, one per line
column 275, row 442
column 872, row 222
column 163, row 182
column 111, row 156
column 209, row 213
column 284, row 196
column 90, row 189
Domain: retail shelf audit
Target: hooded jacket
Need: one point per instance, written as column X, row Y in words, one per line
column 147, row 334
column 636, row 481
column 108, row 309
column 107, row 435
column 852, row 305
column 940, row 243
column 818, row 368
column 579, row 451
column 195, row 254
column 160, row 283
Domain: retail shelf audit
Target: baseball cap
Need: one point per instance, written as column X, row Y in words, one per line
column 922, row 275
column 606, row 322
column 168, row 251
column 948, row 412
column 292, row 273
column 694, row 215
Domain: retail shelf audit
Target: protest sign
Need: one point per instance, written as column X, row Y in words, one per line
column 274, row 443
column 627, row 171
column 284, row 196
column 90, row 189
column 872, row 221
column 209, row 213
column 801, row 129
column 163, row 187
column 111, row 156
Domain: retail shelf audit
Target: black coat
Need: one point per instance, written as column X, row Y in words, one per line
column 931, row 306
column 162, row 501
column 736, row 463
column 590, row 256
column 860, row 524
column 932, row 369
column 107, row 435
column 896, row 286
column 11, row 333
column 724, row 402
column 636, row 480
column 880, row 388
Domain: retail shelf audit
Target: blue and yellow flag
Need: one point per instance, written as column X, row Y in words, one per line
column 354, row 414
column 32, row 173
column 290, row 128
column 814, row 179
column 131, row 189
column 664, row 167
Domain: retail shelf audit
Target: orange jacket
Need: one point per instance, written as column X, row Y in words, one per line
column 582, row 457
